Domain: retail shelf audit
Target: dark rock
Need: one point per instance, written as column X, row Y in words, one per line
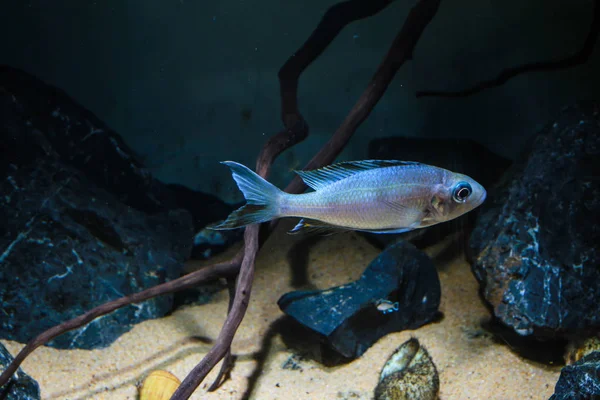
column 208, row 242
column 57, row 124
column 21, row 386
column 347, row 317
column 455, row 154
column 79, row 227
column 535, row 245
column 580, row 381
column 83, row 141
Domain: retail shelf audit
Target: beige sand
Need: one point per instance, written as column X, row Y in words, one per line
column 470, row 367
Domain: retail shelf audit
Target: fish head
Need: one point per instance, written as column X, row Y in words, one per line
column 458, row 195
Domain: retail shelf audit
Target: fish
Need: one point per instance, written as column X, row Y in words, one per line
column 377, row 196
column 386, row 306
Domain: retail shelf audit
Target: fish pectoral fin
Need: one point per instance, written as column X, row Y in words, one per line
column 310, row 226
column 399, row 207
column 405, row 212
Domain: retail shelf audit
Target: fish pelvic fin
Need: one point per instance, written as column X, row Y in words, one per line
column 262, row 199
column 316, row 227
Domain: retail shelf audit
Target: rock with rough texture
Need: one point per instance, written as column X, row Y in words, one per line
column 21, row 386
column 580, row 381
column 455, row 154
column 55, row 123
column 82, row 224
column 59, row 124
column 535, row 246
column 399, row 290
column 208, row 242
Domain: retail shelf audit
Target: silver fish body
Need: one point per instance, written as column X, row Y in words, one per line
column 382, row 196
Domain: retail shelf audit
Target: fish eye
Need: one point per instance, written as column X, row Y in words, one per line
column 461, row 192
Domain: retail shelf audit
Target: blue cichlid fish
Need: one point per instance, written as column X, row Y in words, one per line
column 380, row 196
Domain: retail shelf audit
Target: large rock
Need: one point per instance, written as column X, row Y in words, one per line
column 54, row 122
column 536, row 244
column 455, row 154
column 82, row 223
column 399, row 290
column 580, row 381
column 21, row 386
column 83, row 141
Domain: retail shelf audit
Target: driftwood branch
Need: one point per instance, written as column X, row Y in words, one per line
column 295, row 131
column 228, row 359
column 227, row 268
column 400, row 51
column 578, row 58
column 333, row 21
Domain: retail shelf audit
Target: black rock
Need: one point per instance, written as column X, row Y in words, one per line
column 455, row 154
column 79, row 227
column 55, row 123
column 208, row 242
column 536, row 241
column 21, row 386
column 83, row 141
column 347, row 318
column 579, row 381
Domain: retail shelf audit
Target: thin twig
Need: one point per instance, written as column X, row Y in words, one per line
column 576, row 59
column 234, row 318
column 333, row 21
column 228, row 359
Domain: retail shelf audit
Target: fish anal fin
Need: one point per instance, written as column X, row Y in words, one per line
column 413, row 226
column 390, row 231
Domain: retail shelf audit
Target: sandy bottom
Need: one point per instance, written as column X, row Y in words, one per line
column 471, row 364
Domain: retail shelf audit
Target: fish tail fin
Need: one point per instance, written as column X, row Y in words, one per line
column 262, row 199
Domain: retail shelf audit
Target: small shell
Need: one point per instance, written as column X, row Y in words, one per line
column 409, row 374
column 159, row 385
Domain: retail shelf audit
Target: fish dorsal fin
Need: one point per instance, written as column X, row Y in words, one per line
column 321, row 177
